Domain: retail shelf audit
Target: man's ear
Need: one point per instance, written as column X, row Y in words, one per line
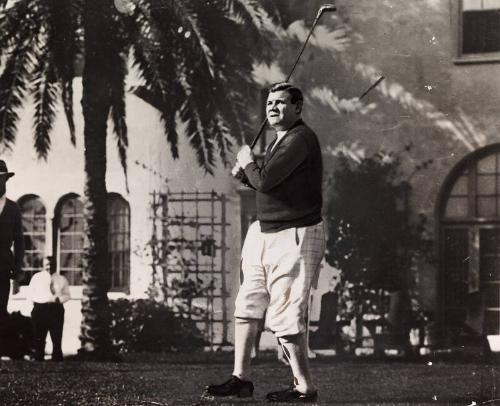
column 298, row 106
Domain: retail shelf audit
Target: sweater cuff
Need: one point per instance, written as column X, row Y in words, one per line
column 249, row 167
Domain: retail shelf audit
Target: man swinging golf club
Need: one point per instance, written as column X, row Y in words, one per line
column 283, row 248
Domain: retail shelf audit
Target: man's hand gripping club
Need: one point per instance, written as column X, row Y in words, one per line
column 243, row 158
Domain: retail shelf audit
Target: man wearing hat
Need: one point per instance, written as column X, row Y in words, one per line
column 11, row 240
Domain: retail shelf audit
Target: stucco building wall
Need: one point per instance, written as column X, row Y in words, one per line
column 150, row 169
column 445, row 108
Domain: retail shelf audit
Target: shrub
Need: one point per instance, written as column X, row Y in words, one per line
column 371, row 238
column 148, row 325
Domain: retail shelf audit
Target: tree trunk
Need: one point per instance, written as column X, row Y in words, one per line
column 95, row 338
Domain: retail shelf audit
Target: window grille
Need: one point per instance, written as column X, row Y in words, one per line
column 470, row 244
column 34, row 217
column 119, row 242
column 70, row 239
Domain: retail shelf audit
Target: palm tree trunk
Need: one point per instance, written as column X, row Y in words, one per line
column 95, row 339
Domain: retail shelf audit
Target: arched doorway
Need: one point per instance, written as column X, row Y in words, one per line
column 469, row 232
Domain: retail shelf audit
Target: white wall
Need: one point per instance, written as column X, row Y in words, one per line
column 63, row 172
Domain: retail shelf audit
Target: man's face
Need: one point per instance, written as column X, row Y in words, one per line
column 47, row 264
column 3, row 188
column 281, row 113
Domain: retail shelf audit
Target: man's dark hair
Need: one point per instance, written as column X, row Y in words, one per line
column 294, row 92
column 52, row 263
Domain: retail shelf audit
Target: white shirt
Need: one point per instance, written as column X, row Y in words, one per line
column 39, row 288
column 279, row 136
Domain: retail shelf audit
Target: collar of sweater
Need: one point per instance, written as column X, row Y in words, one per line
column 281, row 134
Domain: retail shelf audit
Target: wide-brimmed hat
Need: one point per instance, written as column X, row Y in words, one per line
column 4, row 171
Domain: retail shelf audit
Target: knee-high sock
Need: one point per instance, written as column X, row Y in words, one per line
column 245, row 331
column 295, row 349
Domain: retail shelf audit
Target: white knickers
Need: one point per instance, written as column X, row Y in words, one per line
column 277, row 271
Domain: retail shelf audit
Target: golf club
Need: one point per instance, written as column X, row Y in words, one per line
column 374, row 85
column 323, row 9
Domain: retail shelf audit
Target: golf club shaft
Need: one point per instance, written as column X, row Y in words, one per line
column 304, row 46
column 263, row 125
column 264, row 122
column 374, row 85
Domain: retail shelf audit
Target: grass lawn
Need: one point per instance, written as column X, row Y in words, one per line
column 179, row 380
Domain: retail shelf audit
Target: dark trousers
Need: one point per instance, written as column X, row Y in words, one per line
column 48, row 318
column 4, row 294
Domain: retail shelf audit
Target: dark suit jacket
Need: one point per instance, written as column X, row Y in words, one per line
column 11, row 235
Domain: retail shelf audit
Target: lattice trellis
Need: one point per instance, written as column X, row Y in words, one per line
column 189, row 230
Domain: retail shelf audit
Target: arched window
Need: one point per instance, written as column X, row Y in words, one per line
column 470, row 242
column 69, row 238
column 34, row 218
column 119, row 242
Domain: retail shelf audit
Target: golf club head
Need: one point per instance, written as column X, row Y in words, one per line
column 326, row 8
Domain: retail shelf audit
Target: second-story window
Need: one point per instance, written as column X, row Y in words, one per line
column 480, row 27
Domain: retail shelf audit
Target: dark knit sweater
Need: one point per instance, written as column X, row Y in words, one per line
column 288, row 183
column 11, row 232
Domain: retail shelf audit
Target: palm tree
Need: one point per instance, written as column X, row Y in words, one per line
column 194, row 56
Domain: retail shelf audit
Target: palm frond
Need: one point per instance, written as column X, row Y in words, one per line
column 234, row 52
column 201, row 142
column 198, row 112
column 13, row 85
column 168, row 119
column 31, row 43
column 67, row 99
column 14, row 21
column 118, row 114
column 62, row 34
column 234, row 115
column 207, row 91
column 65, row 44
column 202, row 73
column 145, row 52
column 161, row 89
column 148, row 96
column 256, row 15
column 222, row 138
column 45, row 91
column 167, row 114
column 189, row 18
